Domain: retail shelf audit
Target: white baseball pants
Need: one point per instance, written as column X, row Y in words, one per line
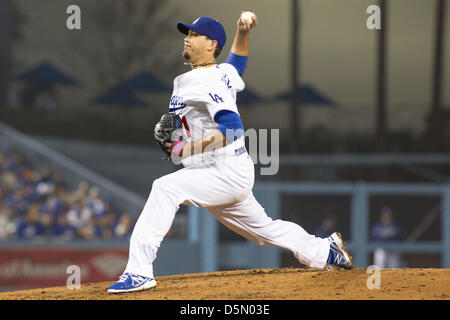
column 224, row 188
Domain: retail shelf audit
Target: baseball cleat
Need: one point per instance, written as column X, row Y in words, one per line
column 339, row 256
column 130, row 282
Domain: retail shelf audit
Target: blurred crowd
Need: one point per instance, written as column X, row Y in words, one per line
column 36, row 203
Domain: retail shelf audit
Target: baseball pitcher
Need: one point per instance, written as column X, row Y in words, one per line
column 203, row 131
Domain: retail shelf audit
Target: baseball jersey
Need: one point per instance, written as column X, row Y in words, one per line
column 200, row 93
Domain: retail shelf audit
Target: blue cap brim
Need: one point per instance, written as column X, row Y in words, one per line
column 184, row 27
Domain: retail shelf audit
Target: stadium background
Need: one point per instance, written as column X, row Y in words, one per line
column 80, row 149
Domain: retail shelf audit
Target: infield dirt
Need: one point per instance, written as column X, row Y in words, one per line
column 271, row 284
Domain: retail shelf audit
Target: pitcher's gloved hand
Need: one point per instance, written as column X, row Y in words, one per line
column 169, row 135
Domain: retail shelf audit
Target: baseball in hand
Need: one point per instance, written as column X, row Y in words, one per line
column 247, row 17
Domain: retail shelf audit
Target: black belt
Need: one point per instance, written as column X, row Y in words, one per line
column 240, row 151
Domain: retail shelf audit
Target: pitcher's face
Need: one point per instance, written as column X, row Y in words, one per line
column 197, row 45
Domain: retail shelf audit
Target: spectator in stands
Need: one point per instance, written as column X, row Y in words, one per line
column 327, row 227
column 44, row 182
column 29, row 226
column 105, row 225
column 61, row 228
column 59, row 182
column 15, row 162
column 73, row 215
column 27, row 176
column 124, row 227
column 80, row 193
column 46, row 221
column 7, row 223
column 87, row 230
column 19, row 199
column 387, row 230
column 54, row 205
column 95, row 203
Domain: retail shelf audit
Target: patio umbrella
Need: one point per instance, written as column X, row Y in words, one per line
column 46, row 74
column 145, row 81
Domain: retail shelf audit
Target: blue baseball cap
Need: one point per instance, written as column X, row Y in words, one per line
column 206, row 26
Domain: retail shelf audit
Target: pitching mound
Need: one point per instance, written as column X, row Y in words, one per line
column 270, row 284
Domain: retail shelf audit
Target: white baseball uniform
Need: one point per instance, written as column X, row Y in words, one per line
column 220, row 181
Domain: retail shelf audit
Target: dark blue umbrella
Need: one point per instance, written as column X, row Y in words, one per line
column 46, row 74
column 247, row 97
column 119, row 96
column 145, row 81
column 307, row 95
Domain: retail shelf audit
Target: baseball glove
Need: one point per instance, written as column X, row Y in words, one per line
column 169, row 130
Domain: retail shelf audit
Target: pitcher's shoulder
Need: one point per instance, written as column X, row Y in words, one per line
column 229, row 73
column 227, row 67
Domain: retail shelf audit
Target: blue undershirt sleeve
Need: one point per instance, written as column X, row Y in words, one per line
column 239, row 62
column 230, row 124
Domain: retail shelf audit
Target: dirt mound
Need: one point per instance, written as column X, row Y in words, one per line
column 270, row 284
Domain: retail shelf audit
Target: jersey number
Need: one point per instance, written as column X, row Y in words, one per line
column 215, row 98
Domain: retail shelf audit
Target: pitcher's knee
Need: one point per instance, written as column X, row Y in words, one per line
column 166, row 190
column 157, row 183
column 160, row 184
